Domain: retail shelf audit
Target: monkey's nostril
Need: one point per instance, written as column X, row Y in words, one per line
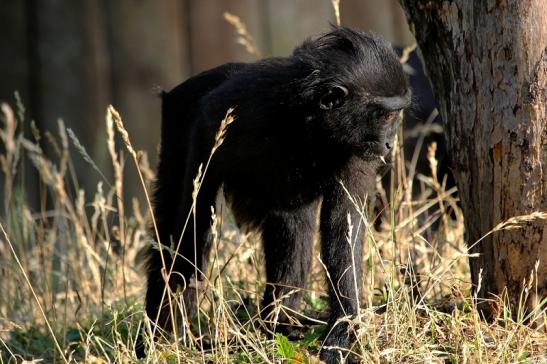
column 388, row 146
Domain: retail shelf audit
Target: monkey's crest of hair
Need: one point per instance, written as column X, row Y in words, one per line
column 353, row 57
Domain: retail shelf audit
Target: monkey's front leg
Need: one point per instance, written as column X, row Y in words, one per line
column 288, row 240
column 342, row 254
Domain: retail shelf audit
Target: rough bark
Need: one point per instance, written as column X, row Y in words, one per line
column 487, row 61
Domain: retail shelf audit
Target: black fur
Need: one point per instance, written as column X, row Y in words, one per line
column 304, row 125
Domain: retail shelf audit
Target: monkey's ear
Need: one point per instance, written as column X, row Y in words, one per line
column 333, row 97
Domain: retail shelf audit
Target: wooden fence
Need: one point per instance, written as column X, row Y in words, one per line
column 70, row 59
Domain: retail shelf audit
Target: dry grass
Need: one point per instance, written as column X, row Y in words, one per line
column 72, row 286
column 243, row 36
column 72, row 282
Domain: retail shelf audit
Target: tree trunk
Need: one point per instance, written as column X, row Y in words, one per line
column 487, row 61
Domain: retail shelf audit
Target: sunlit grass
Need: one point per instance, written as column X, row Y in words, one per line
column 72, row 284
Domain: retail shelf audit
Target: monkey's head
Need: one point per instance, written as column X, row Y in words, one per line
column 355, row 90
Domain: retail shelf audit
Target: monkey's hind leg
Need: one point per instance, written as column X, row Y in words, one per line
column 185, row 259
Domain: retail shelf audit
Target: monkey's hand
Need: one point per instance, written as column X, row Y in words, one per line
column 336, row 348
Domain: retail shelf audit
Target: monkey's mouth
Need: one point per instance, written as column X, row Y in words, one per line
column 376, row 151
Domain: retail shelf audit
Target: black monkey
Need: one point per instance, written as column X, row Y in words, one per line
column 307, row 127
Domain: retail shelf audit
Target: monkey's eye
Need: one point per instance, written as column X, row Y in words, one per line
column 389, row 117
